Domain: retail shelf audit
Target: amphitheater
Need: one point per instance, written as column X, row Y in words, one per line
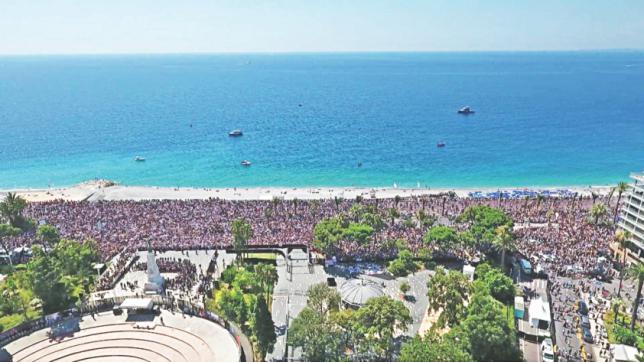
column 106, row 337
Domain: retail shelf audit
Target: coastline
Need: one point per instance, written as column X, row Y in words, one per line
column 105, row 190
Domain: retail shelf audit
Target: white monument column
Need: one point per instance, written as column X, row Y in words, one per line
column 155, row 280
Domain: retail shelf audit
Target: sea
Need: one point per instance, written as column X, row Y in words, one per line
column 323, row 119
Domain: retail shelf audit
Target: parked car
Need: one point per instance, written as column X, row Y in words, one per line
column 588, row 337
column 582, row 308
column 584, row 322
column 547, row 352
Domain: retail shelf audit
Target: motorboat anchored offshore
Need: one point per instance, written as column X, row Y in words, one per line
column 465, row 110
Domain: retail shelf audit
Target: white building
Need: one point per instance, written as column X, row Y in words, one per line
column 632, row 214
column 539, row 314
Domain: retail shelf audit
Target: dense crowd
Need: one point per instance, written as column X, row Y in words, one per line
column 555, row 227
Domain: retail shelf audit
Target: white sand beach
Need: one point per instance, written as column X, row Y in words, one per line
column 106, row 190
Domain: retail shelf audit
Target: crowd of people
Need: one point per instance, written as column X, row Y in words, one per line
column 559, row 227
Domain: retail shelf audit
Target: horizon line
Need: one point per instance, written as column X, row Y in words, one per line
column 597, row 50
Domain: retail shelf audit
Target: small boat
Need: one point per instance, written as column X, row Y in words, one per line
column 139, row 159
column 246, row 163
column 235, row 133
column 465, row 110
column 440, row 144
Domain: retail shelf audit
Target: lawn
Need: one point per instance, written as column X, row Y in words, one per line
column 261, row 256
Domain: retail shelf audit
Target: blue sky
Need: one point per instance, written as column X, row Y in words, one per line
column 171, row 26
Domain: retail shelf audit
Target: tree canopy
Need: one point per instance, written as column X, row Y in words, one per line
column 444, row 237
column 448, row 291
column 484, row 220
column 433, row 348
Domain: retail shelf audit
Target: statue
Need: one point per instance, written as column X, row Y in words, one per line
column 155, row 280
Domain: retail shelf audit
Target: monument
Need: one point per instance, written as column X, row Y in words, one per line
column 154, row 284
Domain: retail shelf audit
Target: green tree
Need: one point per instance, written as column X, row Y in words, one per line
column 500, row 286
column 484, row 220
column 7, row 231
column 328, row 233
column 11, row 209
column 75, row 261
column 621, row 188
column 448, row 291
column 488, row 334
column 504, row 241
column 45, row 281
column 316, row 335
column 597, row 211
column 403, row 264
column 264, row 328
column 360, row 233
column 444, row 237
column 425, row 220
column 231, row 304
column 323, row 299
column 242, row 232
column 246, row 281
column 616, row 304
column 12, row 302
column 48, row 235
column 636, row 272
column 405, row 287
column 267, row 277
column 621, row 238
column 433, row 348
column 378, row 321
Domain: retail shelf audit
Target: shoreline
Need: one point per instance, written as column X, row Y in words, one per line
column 106, row 190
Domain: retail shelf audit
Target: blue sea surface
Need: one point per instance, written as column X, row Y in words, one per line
column 542, row 119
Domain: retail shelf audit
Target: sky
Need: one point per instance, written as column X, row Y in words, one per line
column 218, row 26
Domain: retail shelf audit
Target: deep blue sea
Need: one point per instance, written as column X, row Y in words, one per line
column 542, row 119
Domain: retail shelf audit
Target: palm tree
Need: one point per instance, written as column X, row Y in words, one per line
column 242, row 232
column 393, row 214
column 504, row 241
column 610, row 196
column 267, row 276
column 539, row 201
column 616, row 305
column 621, row 188
column 11, row 208
column 337, row 201
column 636, row 272
column 598, row 211
column 621, row 237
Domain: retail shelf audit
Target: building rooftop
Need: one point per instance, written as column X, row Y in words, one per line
column 356, row 292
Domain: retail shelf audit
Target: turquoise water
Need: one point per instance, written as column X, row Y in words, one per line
column 309, row 119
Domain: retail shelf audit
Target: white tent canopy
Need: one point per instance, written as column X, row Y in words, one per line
column 137, row 303
column 624, row 353
column 539, row 310
column 468, row 271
